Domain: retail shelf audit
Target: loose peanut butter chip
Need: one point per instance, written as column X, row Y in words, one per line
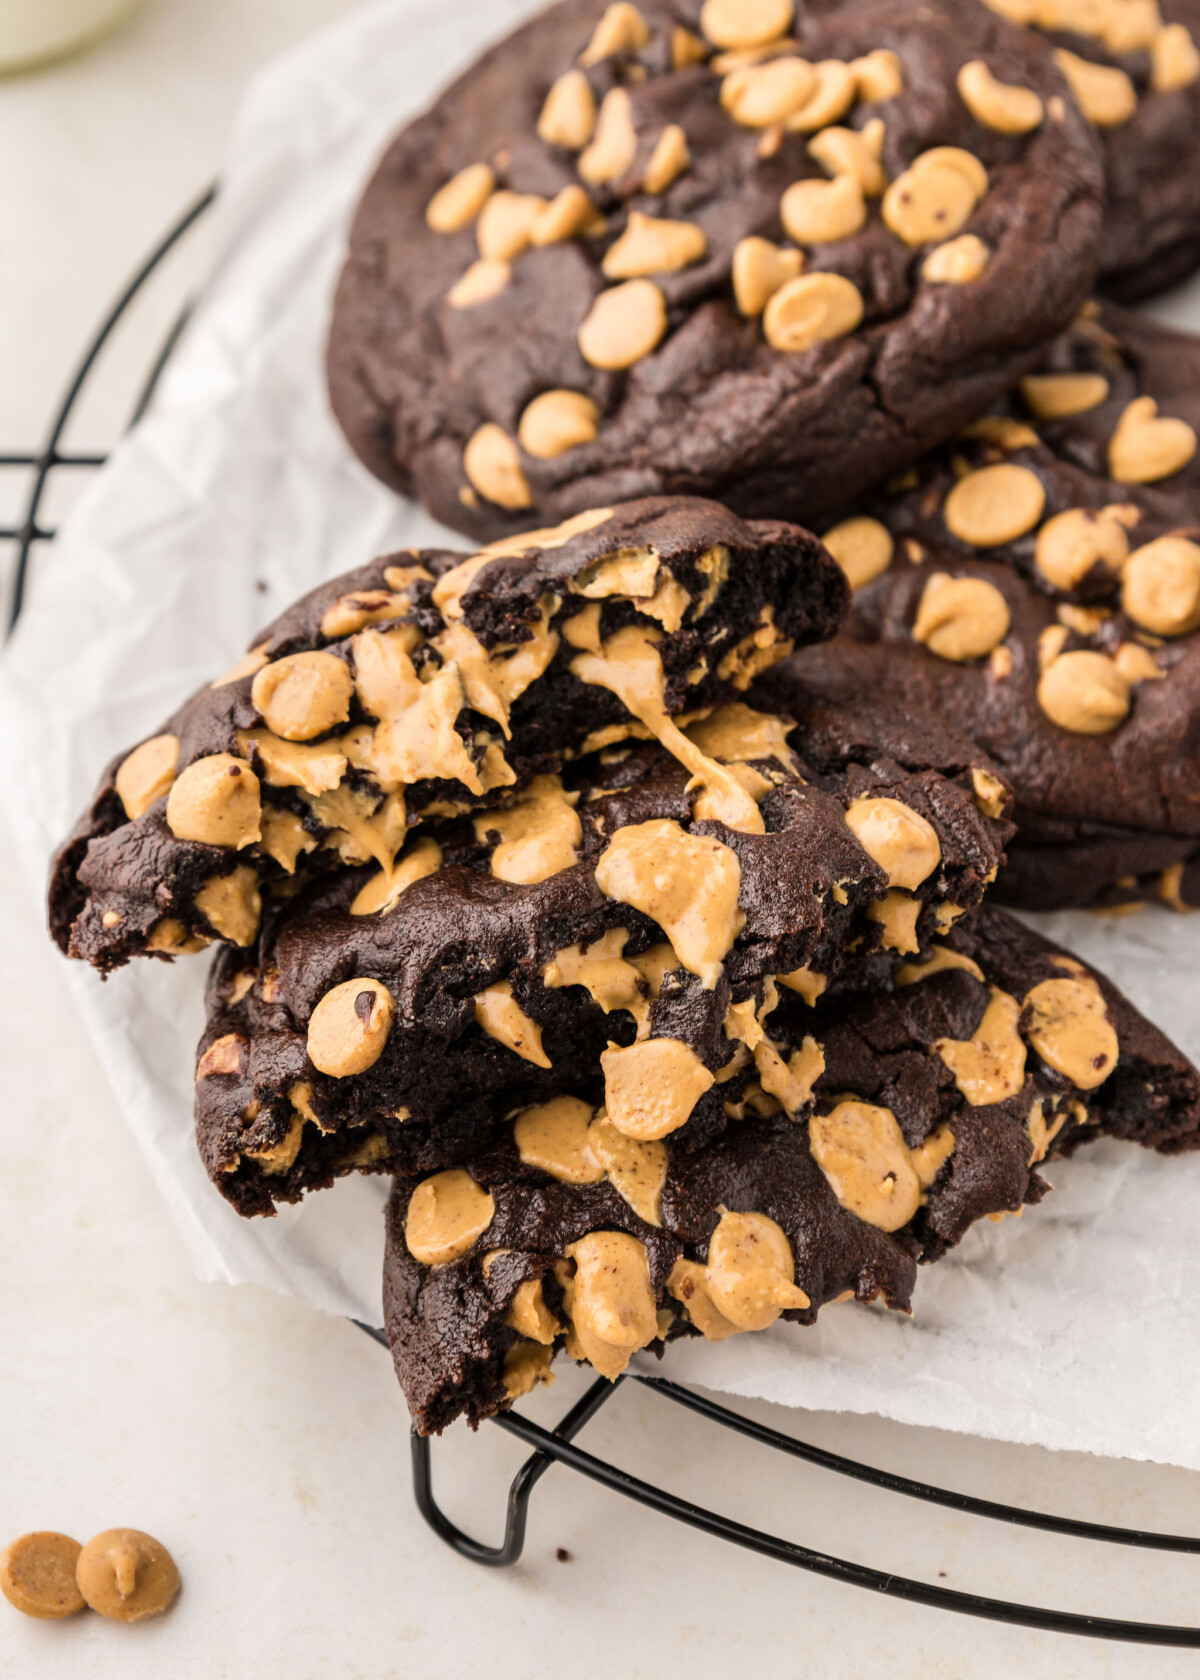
column 623, row 325
column 1147, row 447
column 897, row 915
column 813, row 309
column 349, row 1027
column 1104, row 94
column 147, row 774
column 447, row 1215
column 820, row 212
column 653, row 245
column 995, row 505
column 614, row 143
column 899, row 839
column 687, row 883
column 1085, row 693
column 539, row 833
column 1074, row 542
column 759, row 270
column 961, row 618
column 526, row 1367
column 750, row 1276
column 303, row 695
column 613, row 1310
column 461, row 199
column 1174, row 59
column 651, row 1088
column 1069, row 1027
column 958, row 262
column 1160, row 586
column 37, row 1576
column 862, row 547
column 569, row 113
column 621, row 28
column 557, row 421
column 492, row 462
column 554, row 1137
column 988, row 1067
column 1057, row 396
column 636, row 1171
column 940, row 959
column 757, row 95
column 998, row 105
column 216, row 801
column 232, row 905
column 935, row 195
column 127, row 1575
column 862, row 1153
column 745, row 23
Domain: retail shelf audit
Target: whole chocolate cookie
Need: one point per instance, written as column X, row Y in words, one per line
column 933, row 1106
column 749, row 249
column 1134, row 69
column 1037, row 583
column 421, row 685
column 599, row 933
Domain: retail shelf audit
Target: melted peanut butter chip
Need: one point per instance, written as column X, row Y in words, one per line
column 126, row 1575
column 368, row 606
column 688, row 1283
column 539, row 834
column 940, row 959
column 861, row 1151
column 651, row 1088
column 284, row 838
column 172, row 939
column 447, row 1214
column 612, row 982
column 554, row 1138
column 899, row 839
column 897, row 915
column 989, row 1067
column 529, row 1315
column 1069, row 1027
column 806, row 981
column 737, row 732
column 613, row 1310
column 291, row 764
column 961, row 618
column 931, row 1156
column 423, row 741
column 1160, row 586
column 147, row 774
column 1074, row 542
column 526, row 1367
column 502, row 1018
column 246, row 666
column 750, row 1276
column 303, row 695
column 216, row 801
column 382, row 892
column 224, row 1055
column 349, row 1027
column 687, row 883
column 1043, row 1129
column 1084, row 692
column 37, row 1576
column 386, row 679
column 637, row 1171
column 791, row 1082
column 232, row 905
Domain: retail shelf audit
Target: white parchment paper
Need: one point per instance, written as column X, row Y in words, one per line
column 1075, row 1327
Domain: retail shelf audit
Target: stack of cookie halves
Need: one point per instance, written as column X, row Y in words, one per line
column 616, row 883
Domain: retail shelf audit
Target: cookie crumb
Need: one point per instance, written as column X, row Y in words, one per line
column 562, row 1554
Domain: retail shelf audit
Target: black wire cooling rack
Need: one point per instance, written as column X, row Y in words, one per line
column 558, row 1445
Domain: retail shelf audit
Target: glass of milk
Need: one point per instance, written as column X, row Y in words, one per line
column 32, row 31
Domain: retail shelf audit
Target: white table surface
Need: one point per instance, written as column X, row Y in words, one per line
column 267, row 1444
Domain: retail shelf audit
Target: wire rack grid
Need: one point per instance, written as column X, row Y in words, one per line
column 559, row 1445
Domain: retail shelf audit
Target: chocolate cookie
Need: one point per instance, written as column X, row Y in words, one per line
column 423, row 684
column 1037, row 584
column 1134, row 69
column 931, row 1106
column 749, row 249
column 599, row 933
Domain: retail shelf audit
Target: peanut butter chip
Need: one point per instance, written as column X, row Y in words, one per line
column 569, row 113
column 669, row 159
column 651, row 1088
column 482, row 281
column 147, row 774
column 653, row 245
column 757, row 95
column 830, row 99
column 349, row 1027
column 1070, row 1030
column 940, row 959
column 539, row 833
column 557, row 421
column 554, row 1137
column 1174, row 59
column 759, row 270
column 303, row 695
column 898, row 838
column 998, row 105
column 614, row 144
column 569, row 212
column 935, row 195
column 751, row 1273
column 612, row 982
column 687, row 883
column 232, row 905
column 861, row 1151
column 737, row 732
column 623, row 325
column 745, row 23
column 988, row 1067
column 37, row 1576
column 1147, row 447
column 621, row 28
column 878, row 75
column 492, row 462
column 447, row 1214
column 1160, row 586
column 1073, row 543
column 224, row 1055
column 958, row 262
column 1056, row 396
column 1104, row 94
column 126, row 1575
column 529, row 1315
column 636, row 1171
column 502, row 1018
column 812, row 310
column 897, row 915
column 216, row 801
column 862, row 547
column 613, row 1310
column 526, row 1367
column 961, row 618
column 995, row 505
column 461, row 199
column 1085, row 693
column 688, row 1283
column 820, row 212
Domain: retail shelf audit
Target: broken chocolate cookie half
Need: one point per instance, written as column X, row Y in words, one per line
column 899, row 1120
column 420, row 686
column 604, row 931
